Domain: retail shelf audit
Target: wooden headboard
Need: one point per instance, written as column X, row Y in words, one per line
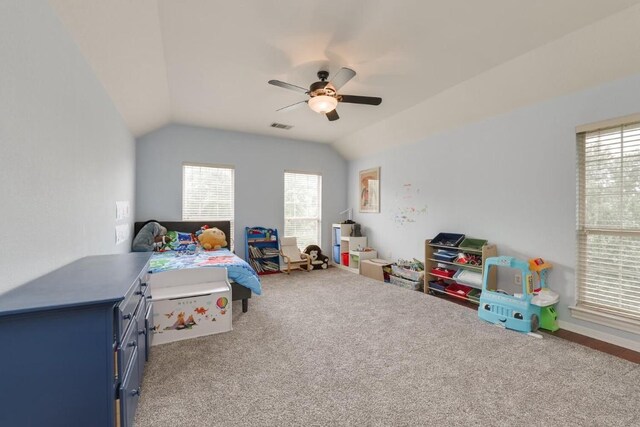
column 190, row 227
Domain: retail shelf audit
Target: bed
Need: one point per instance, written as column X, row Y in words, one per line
column 244, row 280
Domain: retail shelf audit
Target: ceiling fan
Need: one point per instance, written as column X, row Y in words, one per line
column 324, row 96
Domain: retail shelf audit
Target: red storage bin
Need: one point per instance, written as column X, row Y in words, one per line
column 458, row 290
column 345, row 259
column 443, row 272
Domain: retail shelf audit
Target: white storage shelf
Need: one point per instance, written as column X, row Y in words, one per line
column 341, row 238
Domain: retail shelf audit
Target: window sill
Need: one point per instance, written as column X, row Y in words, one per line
column 605, row 319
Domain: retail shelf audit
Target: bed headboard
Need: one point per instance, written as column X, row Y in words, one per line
column 190, row 227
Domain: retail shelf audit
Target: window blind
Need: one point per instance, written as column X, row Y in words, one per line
column 608, row 278
column 303, row 207
column 208, row 194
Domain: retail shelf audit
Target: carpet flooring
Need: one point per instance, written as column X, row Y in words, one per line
column 334, row 348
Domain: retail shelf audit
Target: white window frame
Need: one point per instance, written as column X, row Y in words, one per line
column 204, row 218
column 318, row 219
column 583, row 310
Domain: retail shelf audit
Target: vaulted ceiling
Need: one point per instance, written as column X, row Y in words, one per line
column 207, row 62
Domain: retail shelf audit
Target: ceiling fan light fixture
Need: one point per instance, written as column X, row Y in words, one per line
column 323, row 103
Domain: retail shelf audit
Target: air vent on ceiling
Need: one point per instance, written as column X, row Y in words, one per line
column 280, row 126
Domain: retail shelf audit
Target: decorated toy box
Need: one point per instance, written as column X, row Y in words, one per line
column 190, row 303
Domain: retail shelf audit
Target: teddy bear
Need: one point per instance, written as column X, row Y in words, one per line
column 318, row 259
column 212, row 239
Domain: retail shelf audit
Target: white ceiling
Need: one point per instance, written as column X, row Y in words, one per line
column 207, row 62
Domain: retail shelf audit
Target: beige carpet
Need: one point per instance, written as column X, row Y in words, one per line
column 334, row 348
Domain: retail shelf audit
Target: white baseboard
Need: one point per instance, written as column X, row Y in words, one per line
column 602, row 336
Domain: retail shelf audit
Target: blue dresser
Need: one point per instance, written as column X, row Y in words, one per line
column 74, row 344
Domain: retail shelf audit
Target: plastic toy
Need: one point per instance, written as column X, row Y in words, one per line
column 545, row 298
column 523, row 311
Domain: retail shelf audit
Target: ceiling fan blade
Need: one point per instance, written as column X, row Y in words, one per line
column 343, row 76
column 292, row 106
column 332, row 115
column 288, row 86
column 355, row 99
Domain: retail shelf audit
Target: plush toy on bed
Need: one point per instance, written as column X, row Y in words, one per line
column 151, row 237
column 212, row 239
column 318, row 259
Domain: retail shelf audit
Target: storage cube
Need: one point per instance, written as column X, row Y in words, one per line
column 190, row 303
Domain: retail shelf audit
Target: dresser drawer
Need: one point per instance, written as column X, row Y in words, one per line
column 129, row 393
column 126, row 309
column 148, row 323
column 126, row 348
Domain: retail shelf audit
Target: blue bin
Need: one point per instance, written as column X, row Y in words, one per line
column 336, row 254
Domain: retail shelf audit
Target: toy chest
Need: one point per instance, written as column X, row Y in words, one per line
column 448, row 239
column 405, row 283
column 190, row 303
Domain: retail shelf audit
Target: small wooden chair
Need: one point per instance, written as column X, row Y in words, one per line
column 292, row 255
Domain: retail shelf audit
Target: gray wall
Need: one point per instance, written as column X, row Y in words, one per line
column 259, row 163
column 510, row 179
column 66, row 154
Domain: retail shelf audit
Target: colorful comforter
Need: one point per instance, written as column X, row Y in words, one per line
column 237, row 269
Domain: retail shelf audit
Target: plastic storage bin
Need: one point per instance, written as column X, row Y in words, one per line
column 448, row 239
column 406, row 273
column 474, row 295
column 470, row 244
column 444, row 255
column 443, row 272
column 458, row 290
column 405, row 283
column 336, row 254
column 468, row 277
column 345, row 259
column 437, row 285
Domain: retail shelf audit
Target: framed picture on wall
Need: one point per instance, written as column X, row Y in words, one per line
column 370, row 190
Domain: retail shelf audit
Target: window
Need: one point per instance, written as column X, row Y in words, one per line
column 302, row 207
column 207, row 194
column 608, row 276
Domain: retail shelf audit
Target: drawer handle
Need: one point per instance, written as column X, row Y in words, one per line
column 132, row 343
column 148, row 296
column 138, row 292
column 142, row 332
column 135, row 392
column 143, row 284
column 127, row 316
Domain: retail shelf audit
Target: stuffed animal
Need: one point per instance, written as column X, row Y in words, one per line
column 151, row 237
column 319, row 261
column 212, row 239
